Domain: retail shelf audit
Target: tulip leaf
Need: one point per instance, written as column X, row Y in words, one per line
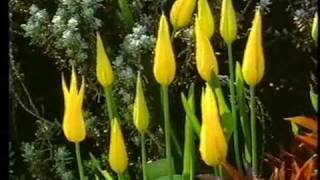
column 175, row 177
column 243, row 110
column 314, row 99
column 188, row 154
column 225, row 113
column 125, row 13
column 193, row 118
column 104, row 173
column 157, row 169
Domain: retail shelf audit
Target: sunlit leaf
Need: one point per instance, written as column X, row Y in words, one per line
column 314, row 99
column 305, row 122
column 175, row 177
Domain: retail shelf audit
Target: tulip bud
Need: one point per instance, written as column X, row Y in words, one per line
column 213, row 145
column 103, row 67
column 73, row 124
column 140, row 109
column 164, row 67
column 205, row 58
column 181, row 13
column 118, row 157
column 253, row 60
column 228, row 22
column 206, row 20
column 314, row 32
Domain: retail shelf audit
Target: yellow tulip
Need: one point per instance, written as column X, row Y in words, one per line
column 228, row 22
column 181, row 13
column 118, row 157
column 140, row 110
column 73, row 124
column 206, row 20
column 213, row 145
column 205, row 58
column 164, row 67
column 253, row 60
column 315, row 25
column 103, row 67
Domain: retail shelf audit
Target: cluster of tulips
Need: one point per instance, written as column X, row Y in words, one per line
column 213, row 132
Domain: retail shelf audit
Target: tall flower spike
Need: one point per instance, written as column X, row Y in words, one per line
column 140, row 110
column 164, row 67
column 315, row 24
column 73, row 124
column 118, row 157
column 228, row 22
column 206, row 60
column 181, row 13
column 103, row 67
column 206, row 20
column 253, row 60
column 213, row 146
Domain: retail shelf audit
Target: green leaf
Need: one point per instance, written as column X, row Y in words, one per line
column 295, row 128
column 188, row 154
column 243, row 109
column 157, row 169
column 104, row 173
column 225, row 113
column 314, row 99
column 125, row 13
column 175, row 177
column 193, row 118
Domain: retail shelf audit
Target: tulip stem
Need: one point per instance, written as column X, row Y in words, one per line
column 120, row 176
column 167, row 127
column 144, row 157
column 253, row 131
column 233, row 108
column 79, row 162
column 109, row 102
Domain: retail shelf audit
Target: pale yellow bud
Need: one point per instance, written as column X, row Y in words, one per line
column 253, row 60
column 103, row 68
column 164, row 67
column 228, row 22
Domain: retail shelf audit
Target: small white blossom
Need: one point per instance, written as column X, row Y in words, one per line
column 56, row 19
column 73, row 22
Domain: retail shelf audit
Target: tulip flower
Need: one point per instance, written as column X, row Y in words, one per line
column 118, row 158
column 164, row 67
column 253, row 60
column 103, row 67
column 140, row 109
column 73, row 124
column 228, row 22
column 206, row 20
column 205, row 57
column 213, row 145
column 315, row 24
column 181, row 13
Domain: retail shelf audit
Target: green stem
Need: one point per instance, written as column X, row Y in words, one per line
column 253, row 131
column 220, row 172
column 108, row 95
column 144, row 157
column 233, row 108
column 175, row 142
column 166, row 112
column 120, row 176
column 79, row 162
